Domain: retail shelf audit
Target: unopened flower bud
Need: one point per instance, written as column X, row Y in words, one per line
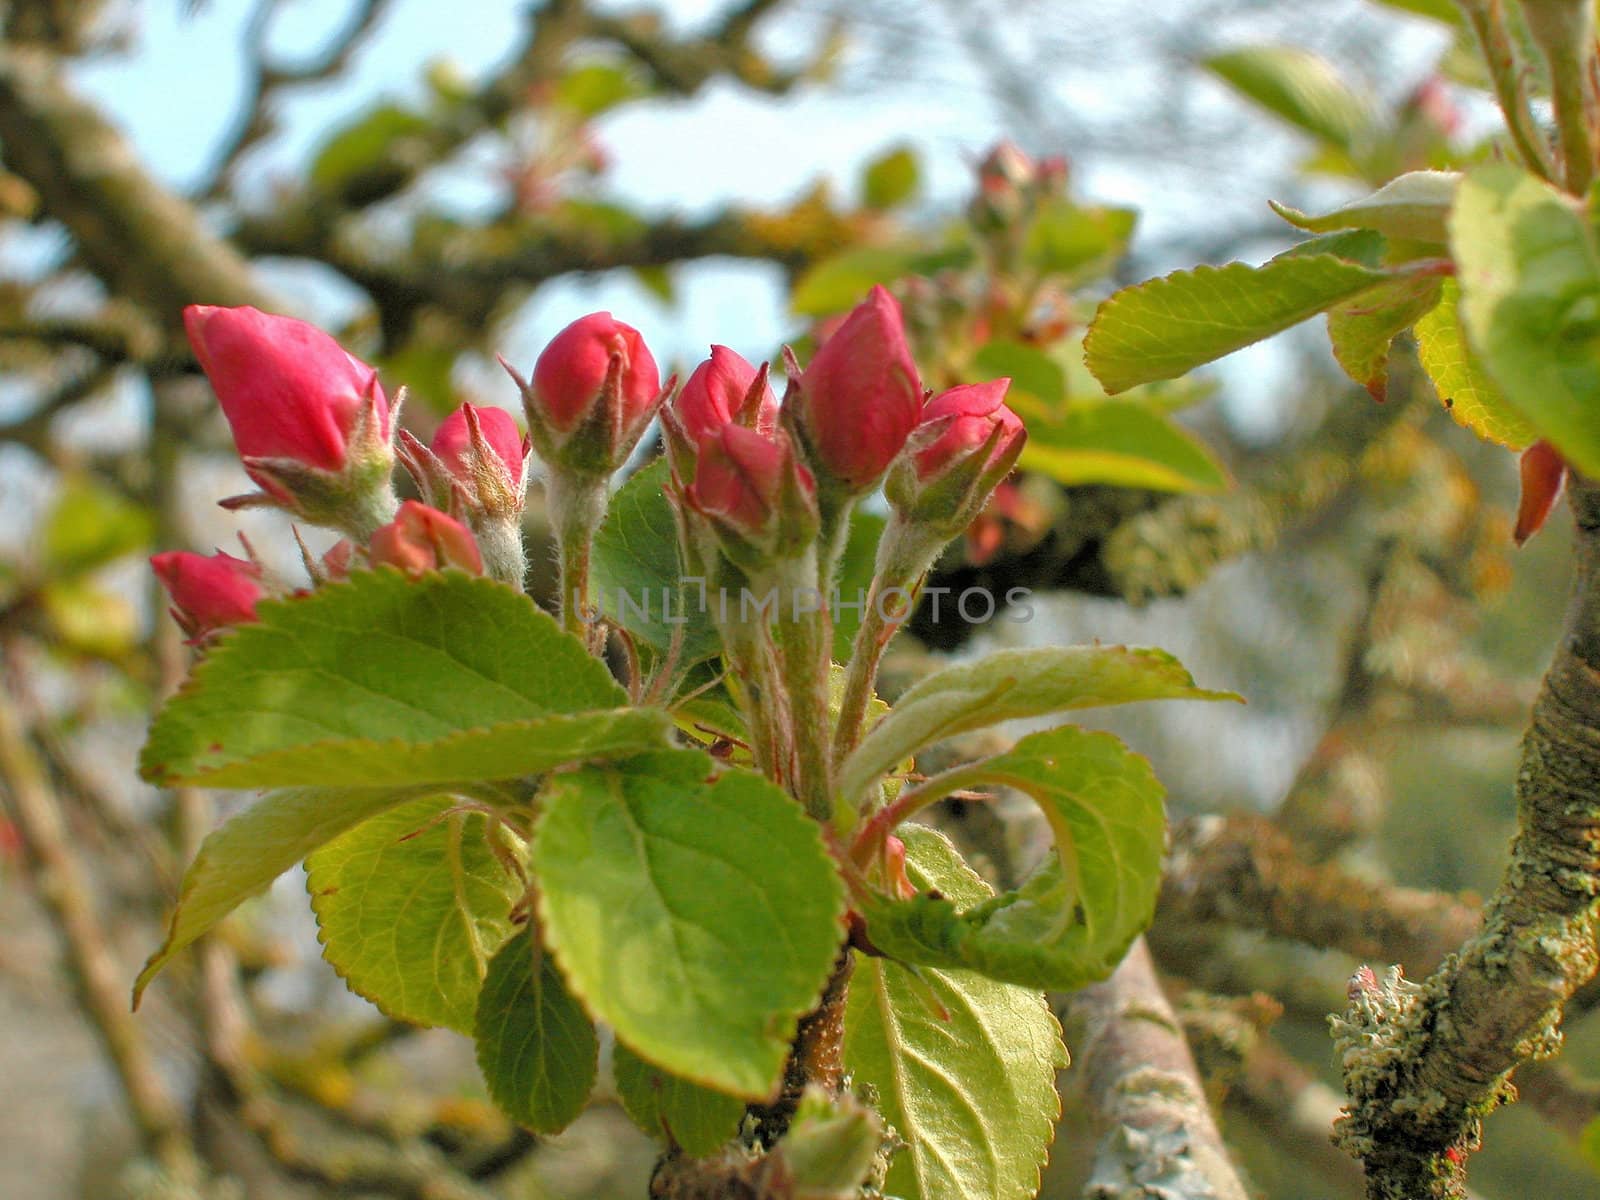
column 310, row 421
column 966, row 443
column 858, row 400
column 725, row 389
column 593, row 391
column 422, row 539
column 760, row 502
column 473, row 442
column 209, row 592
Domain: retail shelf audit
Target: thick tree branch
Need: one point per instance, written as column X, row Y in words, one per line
column 144, row 242
column 1156, row 1132
column 1424, row 1063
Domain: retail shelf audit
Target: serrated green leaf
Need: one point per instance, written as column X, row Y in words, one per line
column 1011, row 684
column 384, row 679
column 1162, row 328
column 1074, row 918
column 891, row 179
column 411, row 905
column 695, row 911
column 636, row 574
column 90, row 525
column 1032, row 372
column 254, row 848
column 839, row 283
column 1120, row 443
column 973, row 1095
column 1365, row 246
column 664, row 1105
column 1529, row 272
column 536, row 1047
column 1301, row 88
column 1077, row 241
column 1463, row 383
column 1362, row 330
column 1411, row 207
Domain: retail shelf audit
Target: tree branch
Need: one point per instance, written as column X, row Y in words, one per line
column 143, row 241
column 1424, row 1063
column 1156, row 1132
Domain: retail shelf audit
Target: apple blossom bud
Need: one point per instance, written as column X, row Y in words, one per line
column 858, row 400
column 311, row 423
column 760, row 503
column 209, row 592
column 593, row 391
column 967, row 442
column 963, row 418
column 724, row 389
column 498, row 446
column 422, row 539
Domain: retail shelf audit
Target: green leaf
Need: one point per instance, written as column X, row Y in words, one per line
column 891, row 179
column 664, row 1105
column 1445, row 11
column 636, row 573
column 1032, row 372
column 1012, row 684
column 536, row 1047
column 1411, row 207
column 1463, row 383
column 1121, row 443
column 695, row 911
column 1530, row 294
column 411, row 905
column 362, row 145
column 1074, row 918
column 387, row 680
column 254, row 848
column 1299, row 87
column 90, row 525
column 1077, row 241
column 839, row 283
column 1162, row 328
column 1362, row 330
column 1365, row 246
column 594, row 88
column 971, row 1090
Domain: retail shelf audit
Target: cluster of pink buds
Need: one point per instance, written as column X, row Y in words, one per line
column 762, row 490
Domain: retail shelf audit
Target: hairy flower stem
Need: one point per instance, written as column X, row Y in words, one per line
column 1425, row 1063
column 905, row 553
column 805, row 652
column 1564, row 31
column 1488, row 21
column 577, row 505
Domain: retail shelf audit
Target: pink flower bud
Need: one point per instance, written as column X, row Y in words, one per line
column 969, row 416
column 894, row 859
column 739, row 477
column 289, row 390
column 209, row 593
column 860, row 397
column 716, row 395
column 570, row 376
column 422, row 539
column 452, row 444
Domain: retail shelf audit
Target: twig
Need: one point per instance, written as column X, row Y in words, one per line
column 257, row 119
column 1243, row 870
column 64, row 889
column 1156, row 1132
